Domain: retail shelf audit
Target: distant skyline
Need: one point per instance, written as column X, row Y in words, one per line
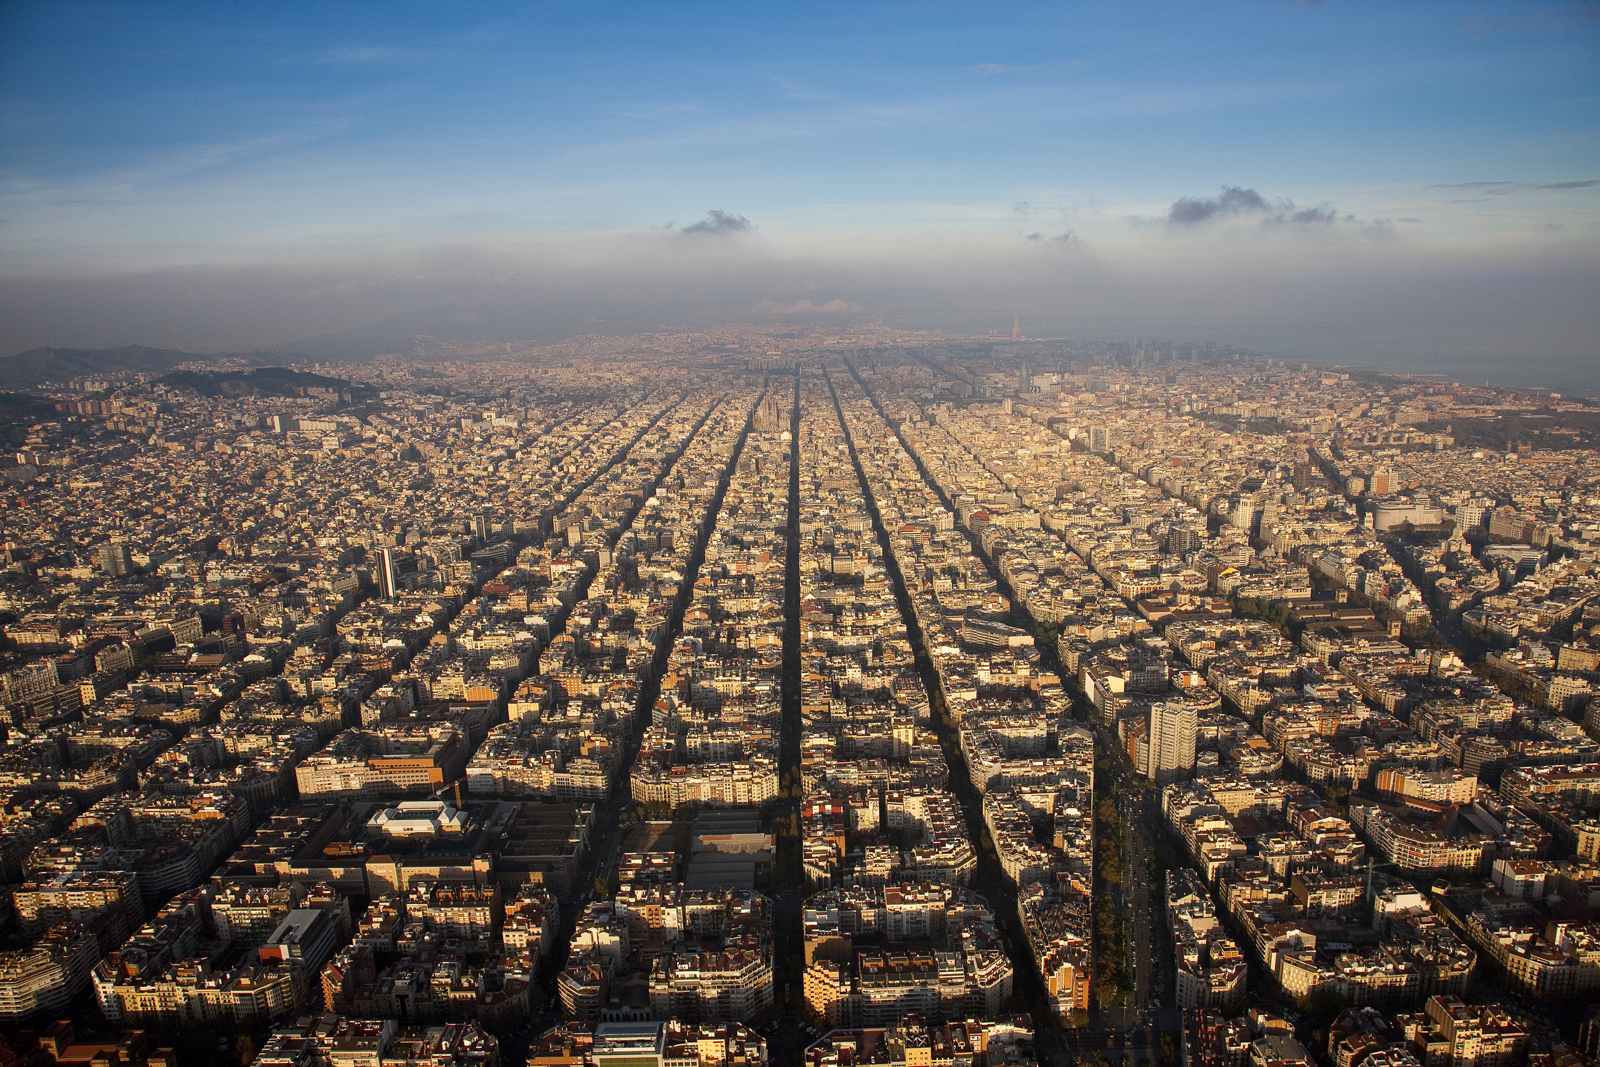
column 1413, row 185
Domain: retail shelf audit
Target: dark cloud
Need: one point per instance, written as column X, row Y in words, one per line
column 1504, row 188
column 720, row 222
column 1036, row 236
column 1065, row 238
column 1315, row 214
column 1235, row 202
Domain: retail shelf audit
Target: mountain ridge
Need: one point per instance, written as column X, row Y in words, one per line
column 36, row 366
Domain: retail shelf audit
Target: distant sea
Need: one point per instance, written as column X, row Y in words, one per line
column 1442, row 351
column 1569, row 376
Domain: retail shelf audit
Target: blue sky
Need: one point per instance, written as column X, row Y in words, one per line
column 927, row 141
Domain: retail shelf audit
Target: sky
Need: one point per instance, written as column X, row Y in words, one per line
column 1411, row 184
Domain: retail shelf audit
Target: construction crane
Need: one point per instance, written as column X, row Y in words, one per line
column 1372, row 867
column 455, row 785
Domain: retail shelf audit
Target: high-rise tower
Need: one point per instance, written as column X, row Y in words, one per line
column 1016, row 327
column 1173, row 729
column 388, row 576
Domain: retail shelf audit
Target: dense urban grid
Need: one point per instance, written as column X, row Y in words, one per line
column 799, row 696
